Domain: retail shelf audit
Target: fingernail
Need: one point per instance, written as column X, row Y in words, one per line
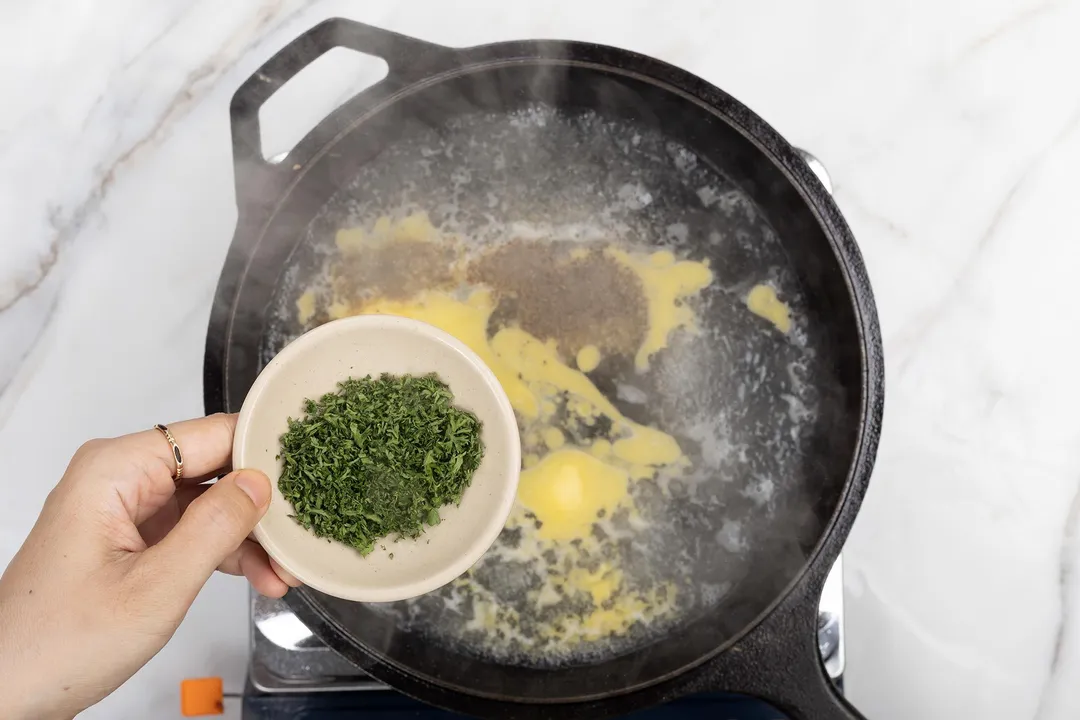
column 255, row 485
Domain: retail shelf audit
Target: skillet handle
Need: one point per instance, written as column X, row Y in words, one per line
column 779, row 661
column 405, row 57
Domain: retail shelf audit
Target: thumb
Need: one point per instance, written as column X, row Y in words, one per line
column 211, row 528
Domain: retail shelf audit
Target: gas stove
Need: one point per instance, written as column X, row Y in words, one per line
column 286, row 657
column 292, row 674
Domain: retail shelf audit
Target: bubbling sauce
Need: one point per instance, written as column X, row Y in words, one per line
column 576, row 498
column 654, row 446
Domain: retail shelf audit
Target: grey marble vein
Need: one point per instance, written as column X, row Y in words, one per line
column 195, row 86
column 46, row 263
column 1013, row 23
column 1070, row 546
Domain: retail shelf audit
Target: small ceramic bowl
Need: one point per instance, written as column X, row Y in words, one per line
column 312, row 365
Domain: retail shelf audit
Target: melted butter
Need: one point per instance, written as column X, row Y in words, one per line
column 567, row 490
column 667, row 284
column 582, row 409
column 467, row 321
column 615, row 604
column 762, row 301
column 616, row 608
column 588, row 358
column 626, row 610
column 600, row 448
column 553, row 438
column 529, row 370
column 601, row 584
column 647, row 446
column 538, row 364
column 350, row 240
column 414, row 228
column 305, row 307
column 382, row 227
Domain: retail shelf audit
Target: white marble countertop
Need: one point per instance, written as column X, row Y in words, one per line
column 950, row 130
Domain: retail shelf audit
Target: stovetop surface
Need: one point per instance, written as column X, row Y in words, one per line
column 287, row 658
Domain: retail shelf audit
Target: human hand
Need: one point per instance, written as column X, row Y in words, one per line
column 115, row 560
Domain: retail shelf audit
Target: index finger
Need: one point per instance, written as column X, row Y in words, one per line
column 139, row 468
column 205, row 445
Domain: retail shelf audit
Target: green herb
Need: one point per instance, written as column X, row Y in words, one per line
column 378, row 458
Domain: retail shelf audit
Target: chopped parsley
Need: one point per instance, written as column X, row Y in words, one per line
column 378, row 458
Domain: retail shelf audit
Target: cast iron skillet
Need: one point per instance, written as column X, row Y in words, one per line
column 761, row 638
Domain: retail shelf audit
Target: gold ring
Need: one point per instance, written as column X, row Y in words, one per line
column 177, row 455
